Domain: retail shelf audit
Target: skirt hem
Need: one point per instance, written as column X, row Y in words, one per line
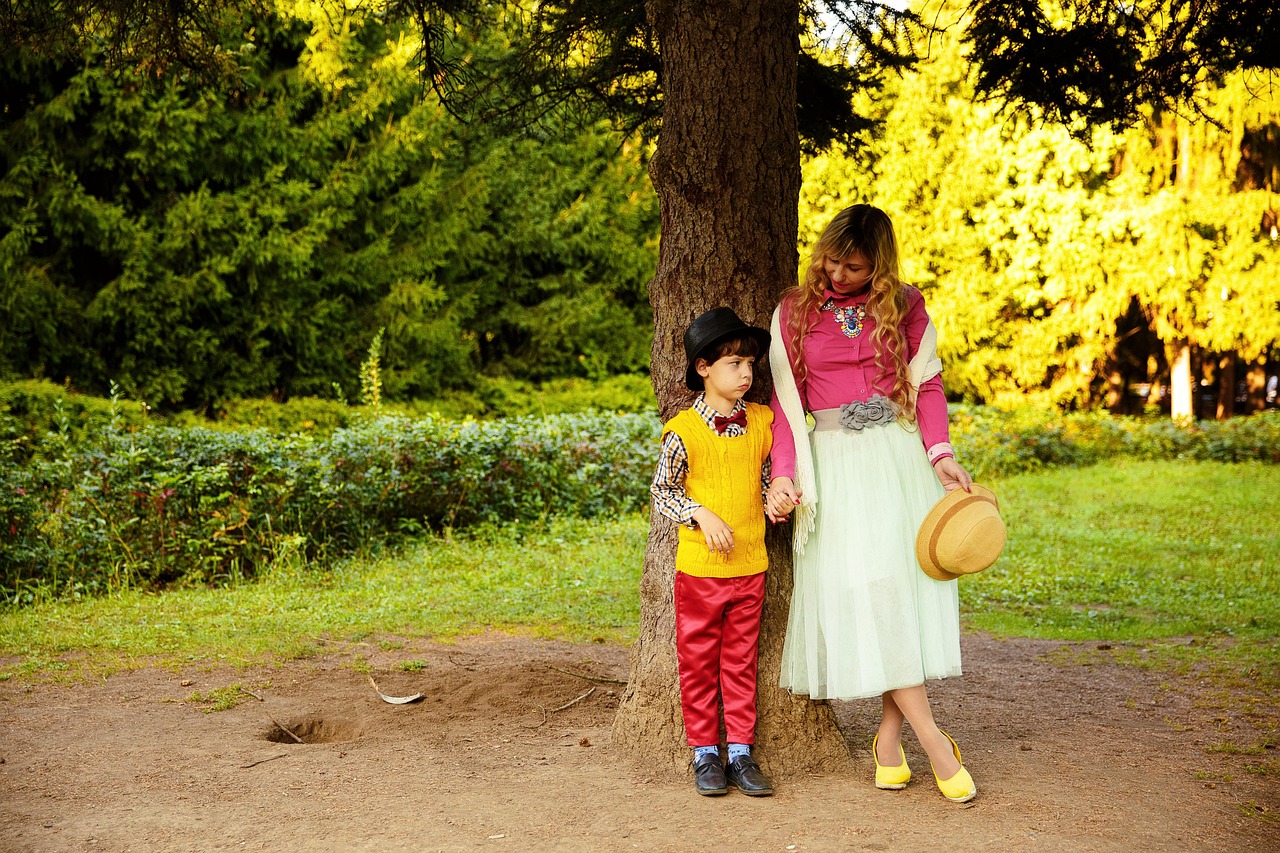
column 808, row 695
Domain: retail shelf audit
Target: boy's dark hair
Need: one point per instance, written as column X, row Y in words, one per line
column 744, row 345
column 715, row 334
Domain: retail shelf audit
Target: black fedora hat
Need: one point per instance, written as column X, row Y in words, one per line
column 708, row 330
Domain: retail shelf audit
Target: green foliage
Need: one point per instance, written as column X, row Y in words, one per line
column 1136, row 550
column 565, row 578
column 1035, row 243
column 497, row 397
column 996, row 443
column 201, row 244
column 298, row 414
column 38, row 416
column 371, row 375
column 166, row 505
column 35, row 413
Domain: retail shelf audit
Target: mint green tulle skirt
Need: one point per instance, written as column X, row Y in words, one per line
column 864, row 617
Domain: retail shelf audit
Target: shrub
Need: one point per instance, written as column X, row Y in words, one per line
column 993, row 442
column 498, row 397
column 90, row 500
column 196, row 505
column 35, row 412
column 299, row 414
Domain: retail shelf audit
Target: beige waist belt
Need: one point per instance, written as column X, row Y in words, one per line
column 825, row 419
column 857, row 415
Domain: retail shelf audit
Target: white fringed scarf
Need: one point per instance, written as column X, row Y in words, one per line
column 922, row 368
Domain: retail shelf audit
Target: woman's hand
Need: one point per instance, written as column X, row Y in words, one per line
column 782, row 499
column 951, row 475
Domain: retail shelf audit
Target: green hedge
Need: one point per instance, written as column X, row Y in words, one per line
column 198, row 505
column 995, row 443
column 35, row 412
column 95, row 494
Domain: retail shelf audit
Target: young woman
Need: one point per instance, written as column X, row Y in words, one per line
column 854, row 347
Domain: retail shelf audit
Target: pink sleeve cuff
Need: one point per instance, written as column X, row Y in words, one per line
column 941, row 450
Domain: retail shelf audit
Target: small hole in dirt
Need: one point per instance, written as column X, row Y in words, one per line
column 314, row 730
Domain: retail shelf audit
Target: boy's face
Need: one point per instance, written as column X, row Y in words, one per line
column 728, row 377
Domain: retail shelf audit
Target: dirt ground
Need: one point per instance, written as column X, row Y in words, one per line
column 1068, row 755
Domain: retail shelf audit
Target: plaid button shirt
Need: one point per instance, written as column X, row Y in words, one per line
column 669, row 497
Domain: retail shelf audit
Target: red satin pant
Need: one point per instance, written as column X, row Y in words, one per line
column 717, row 638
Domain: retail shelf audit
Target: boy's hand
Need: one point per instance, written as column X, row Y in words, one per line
column 719, row 535
column 782, row 499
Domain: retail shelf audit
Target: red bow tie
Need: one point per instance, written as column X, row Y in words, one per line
column 739, row 417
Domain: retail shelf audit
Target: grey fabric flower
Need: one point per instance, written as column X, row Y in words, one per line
column 877, row 410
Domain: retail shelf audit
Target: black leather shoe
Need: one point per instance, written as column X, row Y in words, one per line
column 744, row 774
column 708, row 775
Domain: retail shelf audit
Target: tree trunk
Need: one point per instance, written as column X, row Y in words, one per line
column 1226, row 386
column 1256, row 386
column 727, row 174
column 1183, row 406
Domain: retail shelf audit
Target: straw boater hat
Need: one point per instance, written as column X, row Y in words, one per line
column 961, row 535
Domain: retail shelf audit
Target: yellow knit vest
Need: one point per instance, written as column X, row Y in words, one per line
column 724, row 476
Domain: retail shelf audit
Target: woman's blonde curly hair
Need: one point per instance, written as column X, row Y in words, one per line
column 865, row 229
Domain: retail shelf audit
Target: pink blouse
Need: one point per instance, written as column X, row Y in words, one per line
column 843, row 369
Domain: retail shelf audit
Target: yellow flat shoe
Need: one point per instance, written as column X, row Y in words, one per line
column 890, row 778
column 959, row 788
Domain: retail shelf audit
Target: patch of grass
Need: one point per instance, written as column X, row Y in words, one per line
column 220, row 698
column 1257, row 811
column 412, row 665
column 567, row 578
column 1176, row 560
column 1230, row 748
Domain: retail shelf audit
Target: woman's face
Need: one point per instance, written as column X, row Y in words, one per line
column 849, row 275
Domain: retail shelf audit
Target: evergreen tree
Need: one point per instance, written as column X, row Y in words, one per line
column 197, row 243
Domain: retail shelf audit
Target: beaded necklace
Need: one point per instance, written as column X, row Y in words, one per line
column 848, row 318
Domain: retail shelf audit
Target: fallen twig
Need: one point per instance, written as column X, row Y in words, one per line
column 284, row 728
column 543, row 709
column 569, row 704
column 251, row 693
column 268, row 758
column 587, row 677
column 574, row 702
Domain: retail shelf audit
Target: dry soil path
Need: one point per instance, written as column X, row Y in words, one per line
column 1068, row 756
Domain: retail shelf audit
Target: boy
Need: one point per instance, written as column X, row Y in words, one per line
column 712, row 471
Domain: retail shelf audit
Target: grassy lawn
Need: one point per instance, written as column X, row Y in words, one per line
column 570, row 579
column 1136, row 551
column 1175, row 562
column 1178, row 560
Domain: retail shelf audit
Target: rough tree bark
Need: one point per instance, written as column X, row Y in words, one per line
column 727, row 174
